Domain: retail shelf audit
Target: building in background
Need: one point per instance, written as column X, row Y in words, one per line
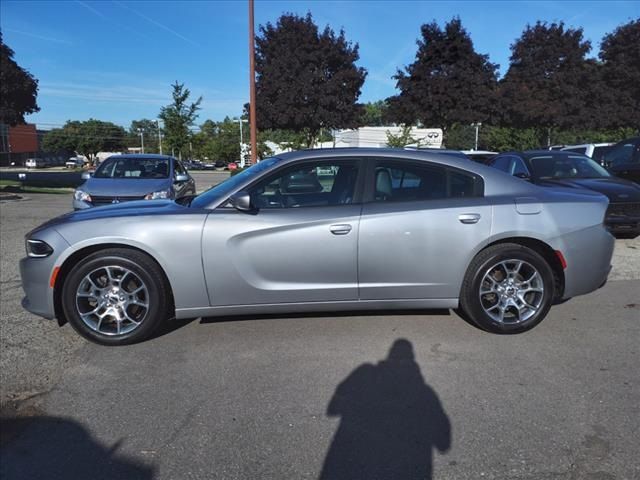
column 376, row 137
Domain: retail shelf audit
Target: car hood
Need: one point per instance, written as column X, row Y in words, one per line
column 127, row 209
column 114, row 187
column 616, row 189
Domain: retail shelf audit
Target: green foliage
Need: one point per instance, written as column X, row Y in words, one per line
column 375, row 114
column 307, row 80
column 502, row 139
column 178, row 117
column 221, row 141
column 18, row 89
column 86, row 138
column 448, row 83
column 149, row 130
column 401, row 140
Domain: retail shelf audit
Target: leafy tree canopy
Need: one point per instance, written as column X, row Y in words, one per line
column 375, row 114
column 307, row 80
column 620, row 54
column 179, row 117
column 18, row 89
column 86, row 138
column 547, row 76
column 449, row 82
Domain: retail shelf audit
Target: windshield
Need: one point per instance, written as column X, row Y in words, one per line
column 133, row 168
column 225, row 188
column 566, row 166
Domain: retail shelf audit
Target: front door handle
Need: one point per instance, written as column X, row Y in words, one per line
column 469, row 218
column 340, row 229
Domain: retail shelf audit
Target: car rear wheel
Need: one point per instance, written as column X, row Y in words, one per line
column 508, row 288
column 115, row 297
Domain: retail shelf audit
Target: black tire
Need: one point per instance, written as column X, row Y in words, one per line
column 470, row 301
column 139, row 264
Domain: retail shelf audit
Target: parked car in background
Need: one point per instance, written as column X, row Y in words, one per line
column 74, row 162
column 566, row 169
column 387, row 229
column 193, row 164
column 481, row 156
column 594, row 151
column 35, row 163
column 623, row 160
column 124, row 178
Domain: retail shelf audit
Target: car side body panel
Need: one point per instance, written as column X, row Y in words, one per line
column 219, row 261
column 276, row 254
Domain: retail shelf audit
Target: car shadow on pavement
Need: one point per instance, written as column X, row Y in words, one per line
column 45, row 447
column 391, row 422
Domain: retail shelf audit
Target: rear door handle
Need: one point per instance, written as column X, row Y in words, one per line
column 469, row 217
column 340, row 229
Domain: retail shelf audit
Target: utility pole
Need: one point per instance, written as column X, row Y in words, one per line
column 141, row 138
column 477, row 125
column 159, row 135
column 252, row 87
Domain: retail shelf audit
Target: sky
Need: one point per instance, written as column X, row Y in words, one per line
column 115, row 60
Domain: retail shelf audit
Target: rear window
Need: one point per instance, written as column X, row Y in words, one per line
column 411, row 182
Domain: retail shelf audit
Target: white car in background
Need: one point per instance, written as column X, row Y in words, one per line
column 35, row 163
column 595, row 151
column 74, row 162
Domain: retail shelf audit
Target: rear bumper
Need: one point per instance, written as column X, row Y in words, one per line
column 588, row 254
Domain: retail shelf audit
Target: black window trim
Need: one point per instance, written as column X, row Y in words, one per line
column 372, row 164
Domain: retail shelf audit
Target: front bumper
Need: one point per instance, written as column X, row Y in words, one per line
column 36, row 275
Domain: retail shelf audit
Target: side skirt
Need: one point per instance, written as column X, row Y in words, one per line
column 259, row 309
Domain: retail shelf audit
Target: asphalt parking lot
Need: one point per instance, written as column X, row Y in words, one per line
column 412, row 395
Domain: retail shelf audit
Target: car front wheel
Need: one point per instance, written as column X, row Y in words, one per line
column 115, row 297
column 508, row 288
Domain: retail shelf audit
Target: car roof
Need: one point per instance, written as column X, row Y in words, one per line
column 527, row 154
column 452, row 158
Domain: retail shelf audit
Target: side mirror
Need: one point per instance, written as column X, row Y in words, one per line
column 241, row 201
column 523, row 176
column 181, row 177
column 86, row 175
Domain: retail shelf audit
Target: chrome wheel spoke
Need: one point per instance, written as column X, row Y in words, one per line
column 511, row 291
column 111, row 309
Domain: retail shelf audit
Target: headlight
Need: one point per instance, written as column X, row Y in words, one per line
column 38, row 248
column 81, row 196
column 158, row 195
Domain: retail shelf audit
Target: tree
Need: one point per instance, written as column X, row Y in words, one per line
column 179, row 117
column 620, row 55
column 447, row 83
column 375, row 114
column 400, row 140
column 86, row 138
column 18, row 89
column 149, row 129
column 547, row 78
column 306, row 80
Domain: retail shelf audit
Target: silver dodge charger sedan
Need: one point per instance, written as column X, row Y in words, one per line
column 323, row 230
